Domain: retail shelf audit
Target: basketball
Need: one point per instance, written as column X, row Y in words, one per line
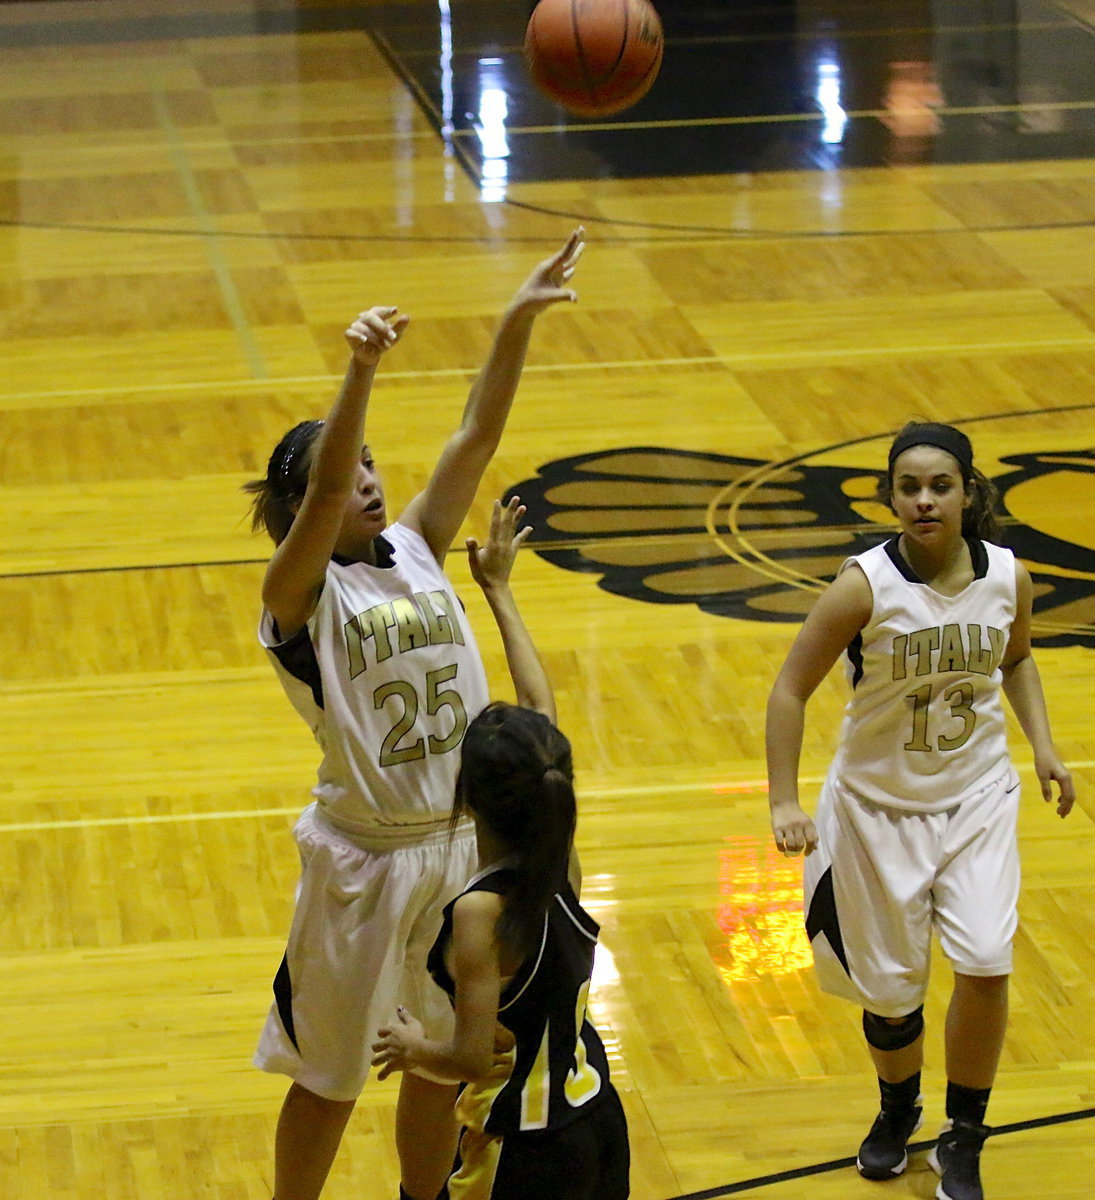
column 594, row 57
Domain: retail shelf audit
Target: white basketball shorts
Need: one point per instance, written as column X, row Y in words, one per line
column 364, row 922
column 882, row 878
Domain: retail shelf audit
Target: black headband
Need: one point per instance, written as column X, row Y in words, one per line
column 943, row 437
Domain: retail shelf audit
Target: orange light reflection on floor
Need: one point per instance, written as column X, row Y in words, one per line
column 760, row 912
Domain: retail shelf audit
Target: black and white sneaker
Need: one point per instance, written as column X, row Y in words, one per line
column 882, row 1154
column 956, row 1157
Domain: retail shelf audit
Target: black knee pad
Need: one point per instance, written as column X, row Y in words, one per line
column 886, row 1034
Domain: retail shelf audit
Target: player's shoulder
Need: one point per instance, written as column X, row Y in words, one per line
column 1000, row 554
column 477, row 898
column 1000, row 564
column 852, row 585
column 475, row 914
column 406, row 538
column 566, row 901
column 858, row 570
column 397, row 533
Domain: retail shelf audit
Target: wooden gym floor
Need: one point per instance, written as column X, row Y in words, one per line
column 825, row 218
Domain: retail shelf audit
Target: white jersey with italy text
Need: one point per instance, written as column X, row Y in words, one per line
column 925, row 727
column 387, row 675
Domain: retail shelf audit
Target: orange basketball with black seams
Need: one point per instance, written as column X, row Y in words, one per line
column 594, row 57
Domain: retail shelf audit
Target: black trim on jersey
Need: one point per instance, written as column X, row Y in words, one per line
column 298, row 654
column 298, row 657
column 538, row 1006
column 497, row 880
column 979, row 559
column 385, row 555
column 823, row 917
column 979, row 556
column 855, row 657
column 898, row 559
column 515, row 989
column 283, row 998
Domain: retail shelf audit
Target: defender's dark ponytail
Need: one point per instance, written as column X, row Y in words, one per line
column 517, row 776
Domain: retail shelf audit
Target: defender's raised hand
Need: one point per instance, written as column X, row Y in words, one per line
column 491, row 564
column 545, row 286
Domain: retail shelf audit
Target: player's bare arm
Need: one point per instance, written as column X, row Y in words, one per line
column 1023, row 687
column 474, row 963
column 840, row 613
column 439, row 511
column 298, row 566
column 491, row 565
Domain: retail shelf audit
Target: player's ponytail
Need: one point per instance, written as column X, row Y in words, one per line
column 980, row 519
column 545, row 858
column 277, row 496
column 517, row 777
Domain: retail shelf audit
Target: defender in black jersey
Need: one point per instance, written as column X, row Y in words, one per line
column 540, row 1119
column 550, row 1073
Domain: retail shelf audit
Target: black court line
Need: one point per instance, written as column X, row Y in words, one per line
column 715, row 232
column 838, row 1164
column 672, row 232
column 119, row 568
column 538, row 545
column 201, row 24
column 784, row 463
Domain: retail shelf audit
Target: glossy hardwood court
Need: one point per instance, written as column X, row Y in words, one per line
column 894, row 215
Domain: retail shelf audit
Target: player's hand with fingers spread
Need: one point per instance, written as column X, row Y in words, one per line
column 1050, row 770
column 491, row 564
column 394, row 1048
column 546, row 284
column 374, row 331
column 793, row 830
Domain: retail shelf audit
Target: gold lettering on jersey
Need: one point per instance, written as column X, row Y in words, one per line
column 428, row 620
column 437, row 624
column 409, row 624
column 980, row 656
column 952, row 654
column 942, row 650
column 923, row 643
column 373, row 624
column 900, row 648
column 999, row 644
column 444, row 600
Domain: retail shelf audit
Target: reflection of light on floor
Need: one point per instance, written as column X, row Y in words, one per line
column 445, row 66
column 760, row 912
column 617, row 1064
column 605, row 995
column 604, row 968
column 828, row 100
column 491, row 131
column 598, row 892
